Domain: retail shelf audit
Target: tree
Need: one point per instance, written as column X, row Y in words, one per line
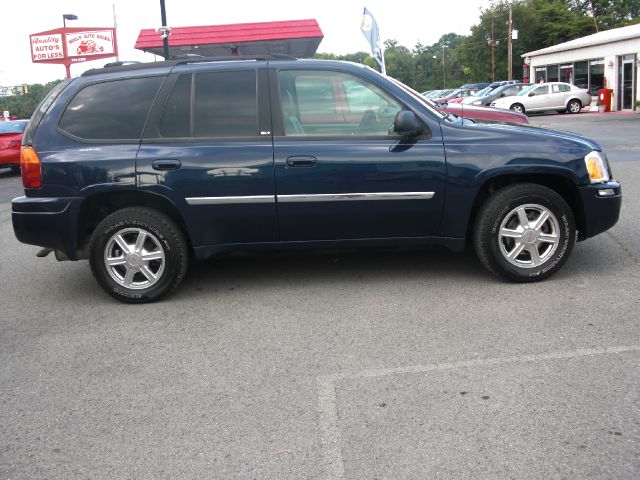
column 607, row 14
column 24, row 104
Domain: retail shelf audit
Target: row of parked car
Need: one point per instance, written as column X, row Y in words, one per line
column 516, row 96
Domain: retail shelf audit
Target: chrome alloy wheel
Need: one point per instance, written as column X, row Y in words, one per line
column 134, row 258
column 529, row 235
column 575, row 107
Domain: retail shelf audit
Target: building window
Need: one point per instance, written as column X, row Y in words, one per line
column 581, row 74
column 541, row 74
column 566, row 73
column 596, row 76
column 552, row 73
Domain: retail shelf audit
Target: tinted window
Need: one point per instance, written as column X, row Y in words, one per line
column 327, row 103
column 176, row 117
column 226, row 104
column 542, row 90
column 560, row 88
column 111, row 110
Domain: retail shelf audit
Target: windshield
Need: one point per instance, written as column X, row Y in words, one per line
column 526, row 90
column 13, row 127
column 483, row 92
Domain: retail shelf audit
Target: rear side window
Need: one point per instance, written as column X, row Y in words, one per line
column 226, row 104
column 111, row 110
column 176, row 117
column 561, row 88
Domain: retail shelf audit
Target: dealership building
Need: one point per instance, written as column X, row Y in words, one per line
column 607, row 59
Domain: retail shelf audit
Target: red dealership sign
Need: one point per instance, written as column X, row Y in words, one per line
column 73, row 45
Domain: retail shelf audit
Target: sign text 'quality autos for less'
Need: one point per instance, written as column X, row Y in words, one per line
column 46, row 47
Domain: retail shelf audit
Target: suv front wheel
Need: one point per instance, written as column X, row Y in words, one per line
column 524, row 232
column 138, row 255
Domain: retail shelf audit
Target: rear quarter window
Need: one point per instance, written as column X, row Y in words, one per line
column 112, row 110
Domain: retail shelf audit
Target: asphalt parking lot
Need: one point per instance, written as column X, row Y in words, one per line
column 346, row 365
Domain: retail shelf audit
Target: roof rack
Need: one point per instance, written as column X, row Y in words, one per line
column 126, row 66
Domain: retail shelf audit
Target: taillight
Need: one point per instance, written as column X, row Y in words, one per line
column 30, row 167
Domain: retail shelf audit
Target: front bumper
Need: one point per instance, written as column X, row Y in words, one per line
column 601, row 207
column 47, row 222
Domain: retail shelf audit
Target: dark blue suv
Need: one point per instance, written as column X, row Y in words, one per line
column 137, row 168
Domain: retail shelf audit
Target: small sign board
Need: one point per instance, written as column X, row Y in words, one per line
column 72, row 45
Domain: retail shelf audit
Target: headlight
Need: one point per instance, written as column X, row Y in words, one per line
column 477, row 102
column 597, row 167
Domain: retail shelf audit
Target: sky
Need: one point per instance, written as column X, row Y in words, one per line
column 407, row 21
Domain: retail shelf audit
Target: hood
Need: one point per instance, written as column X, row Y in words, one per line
column 538, row 134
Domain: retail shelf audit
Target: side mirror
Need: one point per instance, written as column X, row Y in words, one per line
column 502, row 95
column 408, row 124
column 532, row 94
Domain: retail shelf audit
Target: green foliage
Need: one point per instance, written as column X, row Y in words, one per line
column 606, row 13
column 541, row 23
column 23, row 105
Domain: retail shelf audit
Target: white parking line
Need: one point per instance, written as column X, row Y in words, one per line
column 328, row 413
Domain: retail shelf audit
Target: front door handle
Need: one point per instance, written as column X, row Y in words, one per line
column 301, row 161
column 166, row 164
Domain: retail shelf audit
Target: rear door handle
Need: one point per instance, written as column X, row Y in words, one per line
column 166, row 164
column 301, row 161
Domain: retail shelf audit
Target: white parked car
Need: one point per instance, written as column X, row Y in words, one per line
column 540, row 97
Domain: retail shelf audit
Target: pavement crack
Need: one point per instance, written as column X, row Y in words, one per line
column 625, row 249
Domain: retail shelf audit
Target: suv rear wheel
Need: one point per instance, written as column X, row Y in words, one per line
column 138, row 255
column 524, row 232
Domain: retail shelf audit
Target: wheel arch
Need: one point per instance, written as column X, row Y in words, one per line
column 97, row 206
column 556, row 182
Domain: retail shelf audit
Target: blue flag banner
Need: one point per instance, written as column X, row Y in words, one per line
column 370, row 31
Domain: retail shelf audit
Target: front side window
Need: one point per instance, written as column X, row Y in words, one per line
column 542, row 90
column 115, row 110
column 325, row 103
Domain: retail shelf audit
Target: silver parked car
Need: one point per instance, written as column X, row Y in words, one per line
column 540, row 97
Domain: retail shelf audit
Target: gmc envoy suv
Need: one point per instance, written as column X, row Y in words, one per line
column 138, row 168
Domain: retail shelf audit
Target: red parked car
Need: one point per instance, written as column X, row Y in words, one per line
column 10, row 142
column 485, row 113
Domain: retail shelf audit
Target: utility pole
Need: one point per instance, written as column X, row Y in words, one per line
column 493, row 54
column 510, row 51
column 492, row 42
column 115, row 30
column 444, row 75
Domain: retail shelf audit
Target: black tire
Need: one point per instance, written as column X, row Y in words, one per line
column 15, row 168
column 493, row 244
column 574, row 106
column 518, row 107
column 159, row 235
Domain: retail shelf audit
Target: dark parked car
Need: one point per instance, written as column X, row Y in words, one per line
column 10, row 141
column 137, row 168
column 498, row 92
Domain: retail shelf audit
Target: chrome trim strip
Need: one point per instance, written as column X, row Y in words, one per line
column 341, row 197
column 229, row 200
